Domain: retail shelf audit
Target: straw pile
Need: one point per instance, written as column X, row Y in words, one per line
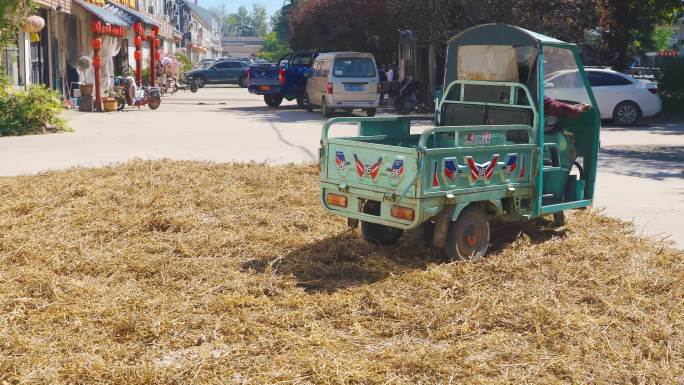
column 196, row 273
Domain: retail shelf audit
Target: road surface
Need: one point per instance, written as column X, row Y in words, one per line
column 641, row 175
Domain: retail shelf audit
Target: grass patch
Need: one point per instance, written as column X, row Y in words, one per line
column 196, row 273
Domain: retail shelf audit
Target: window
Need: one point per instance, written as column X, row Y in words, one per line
column 562, row 79
column 221, row 66
column 354, row 67
column 603, row 79
column 304, row 59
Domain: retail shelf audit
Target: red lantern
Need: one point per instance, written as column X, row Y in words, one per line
column 156, row 43
column 155, row 30
column 96, row 61
column 137, row 41
column 97, row 43
column 137, row 55
column 119, row 31
column 97, row 26
column 138, row 28
column 157, row 55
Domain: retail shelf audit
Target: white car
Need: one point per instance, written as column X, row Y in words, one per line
column 620, row 97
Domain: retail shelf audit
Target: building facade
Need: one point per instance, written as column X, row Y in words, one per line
column 242, row 47
column 200, row 30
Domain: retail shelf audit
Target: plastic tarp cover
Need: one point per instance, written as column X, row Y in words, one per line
column 487, row 62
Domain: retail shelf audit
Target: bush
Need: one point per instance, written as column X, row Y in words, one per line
column 672, row 88
column 184, row 60
column 33, row 111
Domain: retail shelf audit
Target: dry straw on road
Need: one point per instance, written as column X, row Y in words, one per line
column 197, row 273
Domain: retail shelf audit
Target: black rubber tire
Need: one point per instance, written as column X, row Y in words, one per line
column 154, row 103
column 559, row 219
column 626, row 114
column 120, row 104
column 307, row 103
column 242, row 82
column 300, row 102
column 468, row 237
column 378, row 234
column 371, row 112
column 193, row 87
column 327, row 112
column 200, row 81
column 427, row 232
column 273, row 100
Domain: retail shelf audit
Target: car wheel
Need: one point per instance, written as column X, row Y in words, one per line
column 371, row 112
column 273, row 100
column 627, row 114
column 307, row 103
column 375, row 233
column 201, row 81
column 242, row 82
column 468, row 237
column 154, row 102
column 327, row 112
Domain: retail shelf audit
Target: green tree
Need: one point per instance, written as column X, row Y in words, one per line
column 627, row 21
column 273, row 48
column 259, row 20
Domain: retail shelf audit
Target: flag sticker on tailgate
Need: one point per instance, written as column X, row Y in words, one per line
column 340, row 161
column 364, row 169
column 397, row 169
column 485, row 170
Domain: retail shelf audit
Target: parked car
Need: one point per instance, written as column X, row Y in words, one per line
column 620, row 97
column 344, row 80
column 221, row 72
column 285, row 80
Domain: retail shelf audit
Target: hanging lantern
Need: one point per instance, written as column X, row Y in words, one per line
column 96, row 62
column 97, row 43
column 137, row 41
column 137, row 55
column 34, row 24
column 157, row 55
column 155, row 30
column 138, row 28
column 156, row 43
column 97, row 26
column 107, row 29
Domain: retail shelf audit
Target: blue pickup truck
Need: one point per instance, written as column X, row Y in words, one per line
column 284, row 80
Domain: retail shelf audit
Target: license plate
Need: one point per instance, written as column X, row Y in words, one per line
column 265, row 88
column 353, row 87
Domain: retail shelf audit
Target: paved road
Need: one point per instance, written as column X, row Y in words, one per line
column 641, row 175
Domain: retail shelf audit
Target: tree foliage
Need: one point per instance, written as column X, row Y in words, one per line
column 274, row 48
column 626, row 21
column 243, row 22
column 12, row 13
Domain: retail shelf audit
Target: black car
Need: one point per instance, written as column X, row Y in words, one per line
column 221, row 72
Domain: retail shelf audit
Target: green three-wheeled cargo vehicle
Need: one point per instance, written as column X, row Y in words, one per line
column 493, row 153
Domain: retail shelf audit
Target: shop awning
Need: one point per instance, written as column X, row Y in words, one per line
column 102, row 14
column 138, row 16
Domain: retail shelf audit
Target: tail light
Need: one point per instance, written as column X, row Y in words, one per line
column 249, row 73
column 336, row 200
column 281, row 76
column 379, row 88
column 329, row 88
column 653, row 90
column 403, row 213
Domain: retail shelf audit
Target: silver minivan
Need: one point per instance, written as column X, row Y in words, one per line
column 344, row 81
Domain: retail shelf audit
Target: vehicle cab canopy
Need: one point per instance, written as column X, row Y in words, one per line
column 499, row 74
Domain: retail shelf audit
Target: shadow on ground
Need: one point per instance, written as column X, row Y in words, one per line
column 660, row 128
column 654, row 162
column 346, row 260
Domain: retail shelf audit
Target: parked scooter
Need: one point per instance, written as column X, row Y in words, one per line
column 183, row 83
column 133, row 96
column 406, row 98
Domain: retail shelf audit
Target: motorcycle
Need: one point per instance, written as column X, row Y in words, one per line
column 406, row 98
column 183, row 83
column 127, row 92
